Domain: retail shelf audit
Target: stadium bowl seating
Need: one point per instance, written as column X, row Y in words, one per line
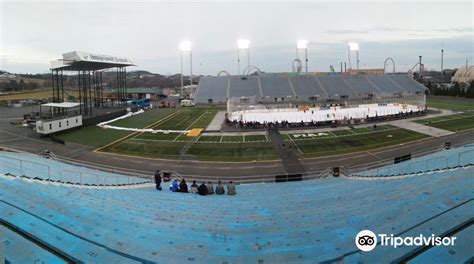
column 295, row 222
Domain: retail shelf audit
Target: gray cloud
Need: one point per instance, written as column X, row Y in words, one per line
column 149, row 32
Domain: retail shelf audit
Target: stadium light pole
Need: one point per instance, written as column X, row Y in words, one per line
column 243, row 44
column 303, row 44
column 185, row 46
column 354, row 47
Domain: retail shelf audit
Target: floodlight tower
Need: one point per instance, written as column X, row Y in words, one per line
column 303, row 44
column 185, row 46
column 354, row 47
column 242, row 44
column 442, row 58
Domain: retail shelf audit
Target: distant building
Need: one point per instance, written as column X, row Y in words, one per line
column 7, row 75
column 464, row 74
column 153, row 93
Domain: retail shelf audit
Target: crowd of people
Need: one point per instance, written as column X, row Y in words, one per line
column 202, row 189
column 285, row 124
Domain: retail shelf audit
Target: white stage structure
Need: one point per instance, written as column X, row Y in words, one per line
column 251, row 109
column 320, row 114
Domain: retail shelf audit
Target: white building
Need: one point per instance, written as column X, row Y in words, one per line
column 465, row 74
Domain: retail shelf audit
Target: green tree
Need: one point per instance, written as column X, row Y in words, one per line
column 470, row 90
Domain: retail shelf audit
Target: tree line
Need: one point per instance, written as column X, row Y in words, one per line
column 461, row 90
column 15, row 86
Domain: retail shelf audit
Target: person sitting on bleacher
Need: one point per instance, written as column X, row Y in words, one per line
column 194, row 187
column 183, row 187
column 220, row 188
column 231, row 188
column 210, row 188
column 174, row 186
column 202, row 189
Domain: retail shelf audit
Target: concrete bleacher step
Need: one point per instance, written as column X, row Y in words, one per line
column 18, row 249
column 54, row 236
column 457, row 254
column 437, row 225
column 307, row 221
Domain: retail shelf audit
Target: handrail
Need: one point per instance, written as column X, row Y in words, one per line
column 416, row 154
column 244, row 179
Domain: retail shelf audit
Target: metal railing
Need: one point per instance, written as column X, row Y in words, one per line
column 36, row 170
column 130, row 176
column 387, row 167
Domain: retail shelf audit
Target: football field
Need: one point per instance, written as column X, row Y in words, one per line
column 455, row 123
column 215, row 147
column 252, row 147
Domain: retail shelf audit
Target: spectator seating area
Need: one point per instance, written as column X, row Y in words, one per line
column 35, row 166
column 305, row 222
column 274, row 87
column 452, row 158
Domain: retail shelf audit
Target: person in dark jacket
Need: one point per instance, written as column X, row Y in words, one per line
column 158, row 180
column 183, row 186
column 202, row 189
column 194, row 187
column 220, row 188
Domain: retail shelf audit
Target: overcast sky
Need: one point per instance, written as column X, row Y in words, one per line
column 34, row 33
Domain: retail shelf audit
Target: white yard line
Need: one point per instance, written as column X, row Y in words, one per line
column 187, row 129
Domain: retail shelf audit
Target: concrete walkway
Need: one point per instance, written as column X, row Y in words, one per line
column 217, row 122
column 430, row 131
column 290, row 161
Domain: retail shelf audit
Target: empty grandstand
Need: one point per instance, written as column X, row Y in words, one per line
column 277, row 98
column 270, row 88
column 317, row 223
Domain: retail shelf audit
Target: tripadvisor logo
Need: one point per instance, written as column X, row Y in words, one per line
column 366, row 240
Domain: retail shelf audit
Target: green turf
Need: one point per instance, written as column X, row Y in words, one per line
column 205, row 119
column 183, row 137
column 201, row 150
column 145, row 119
column 157, row 136
column 450, row 102
column 305, row 136
column 336, row 133
column 150, row 149
column 363, row 130
column 232, row 139
column 458, row 122
column 188, row 118
column 255, row 138
column 97, row 137
column 353, row 143
column 93, row 136
column 210, row 138
column 342, row 132
column 233, row 151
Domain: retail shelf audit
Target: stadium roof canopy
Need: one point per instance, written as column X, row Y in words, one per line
column 79, row 60
column 302, row 88
column 62, row 105
column 142, row 90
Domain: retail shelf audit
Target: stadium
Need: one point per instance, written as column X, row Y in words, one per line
column 344, row 154
column 270, row 98
column 363, row 165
